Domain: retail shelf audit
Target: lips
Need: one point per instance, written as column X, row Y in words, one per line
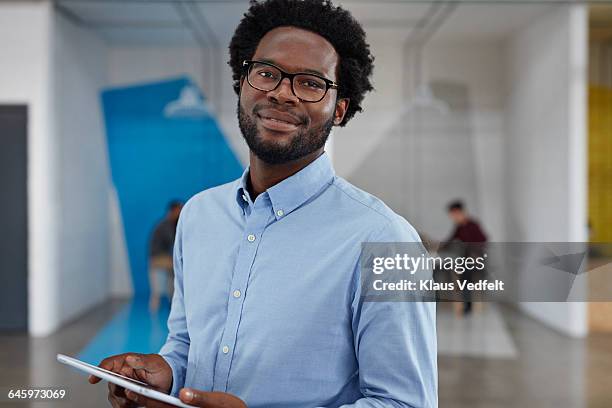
column 278, row 121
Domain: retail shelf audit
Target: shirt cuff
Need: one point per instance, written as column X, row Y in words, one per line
column 178, row 377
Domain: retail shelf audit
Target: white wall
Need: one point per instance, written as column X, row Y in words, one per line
column 56, row 69
column 121, row 285
column 418, row 162
column 79, row 73
column 25, row 78
column 478, row 68
column 521, row 127
column 546, row 143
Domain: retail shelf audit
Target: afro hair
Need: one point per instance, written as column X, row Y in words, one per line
column 333, row 23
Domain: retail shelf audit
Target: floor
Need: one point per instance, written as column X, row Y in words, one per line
column 549, row 370
column 493, row 358
column 31, row 362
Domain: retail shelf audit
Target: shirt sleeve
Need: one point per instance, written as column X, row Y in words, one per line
column 395, row 343
column 176, row 349
column 476, row 233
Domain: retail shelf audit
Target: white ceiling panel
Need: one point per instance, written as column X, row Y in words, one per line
column 222, row 18
column 373, row 11
column 488, row 22
column 148, row 36
column 126, row 12
column 159, row 23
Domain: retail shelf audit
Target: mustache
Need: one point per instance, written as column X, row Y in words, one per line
column 301, row 118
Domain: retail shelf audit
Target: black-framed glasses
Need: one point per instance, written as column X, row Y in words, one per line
column 266, row 77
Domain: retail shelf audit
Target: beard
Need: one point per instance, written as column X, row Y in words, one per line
column 302, row 143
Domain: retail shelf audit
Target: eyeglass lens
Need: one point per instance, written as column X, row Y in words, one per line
column 306, row 87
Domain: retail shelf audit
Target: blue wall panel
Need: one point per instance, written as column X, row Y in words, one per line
column 155, row 159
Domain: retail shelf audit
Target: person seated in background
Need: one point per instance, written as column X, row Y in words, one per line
column 161, row 272
column 471, row 239
column 466, row 228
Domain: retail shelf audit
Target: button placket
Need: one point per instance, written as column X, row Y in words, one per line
column 255, row 224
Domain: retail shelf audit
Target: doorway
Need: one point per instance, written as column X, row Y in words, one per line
column 13, row 218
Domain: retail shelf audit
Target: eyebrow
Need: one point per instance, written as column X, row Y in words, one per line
column 305, row 70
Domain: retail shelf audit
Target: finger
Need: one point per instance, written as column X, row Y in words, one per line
column 122, row 402
column 93, row 379
column 108, row 364
column 116, row 390
column 197, row 398
column 113, row 363
column 141, row 400
column 143, row 367
column 188, row 396
column 210, row 399
column 137, row 362
column 118, row 399
column 140, row 367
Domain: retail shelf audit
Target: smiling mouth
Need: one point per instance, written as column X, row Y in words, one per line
column 277, row 120
column 277, row 125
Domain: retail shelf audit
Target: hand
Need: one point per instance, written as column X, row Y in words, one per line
column 192, row 397
column 148, row 368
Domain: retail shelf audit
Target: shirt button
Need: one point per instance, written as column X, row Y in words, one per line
column 251, row 237
column 225, row 349
column 236, row 293
column 280, row 213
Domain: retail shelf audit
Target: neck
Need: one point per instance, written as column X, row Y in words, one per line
column 263, row 175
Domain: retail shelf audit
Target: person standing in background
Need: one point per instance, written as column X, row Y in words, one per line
column 472, row 239
column 161, row 272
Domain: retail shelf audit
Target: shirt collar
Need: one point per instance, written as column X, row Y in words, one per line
column 242, row 195
column 295, row 190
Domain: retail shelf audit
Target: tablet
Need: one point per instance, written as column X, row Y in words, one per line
column 122, row 381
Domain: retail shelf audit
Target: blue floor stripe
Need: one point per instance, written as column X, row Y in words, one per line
column 133, row 329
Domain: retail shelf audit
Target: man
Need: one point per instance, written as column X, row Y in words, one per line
column 161, row 274
column 471, row 240
column 466, row 228
column 267, row 309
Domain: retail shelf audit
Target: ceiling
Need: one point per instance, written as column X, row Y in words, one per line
column 180, row 22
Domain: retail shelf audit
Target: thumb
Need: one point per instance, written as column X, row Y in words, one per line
column 210, row 399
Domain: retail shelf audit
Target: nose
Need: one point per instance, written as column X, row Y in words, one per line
column 283, row 94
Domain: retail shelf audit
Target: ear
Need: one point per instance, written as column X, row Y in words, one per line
column 341, row 108
column 241, row 83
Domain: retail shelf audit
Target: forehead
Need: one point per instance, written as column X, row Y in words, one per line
column 295, row 49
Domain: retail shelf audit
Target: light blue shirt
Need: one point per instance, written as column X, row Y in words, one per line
column 267, row 299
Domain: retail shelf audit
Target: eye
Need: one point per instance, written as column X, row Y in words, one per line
column 311, row 83
column 266, row 74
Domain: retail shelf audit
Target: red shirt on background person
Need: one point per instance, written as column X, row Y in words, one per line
column 466, row 229
column 472, row 242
